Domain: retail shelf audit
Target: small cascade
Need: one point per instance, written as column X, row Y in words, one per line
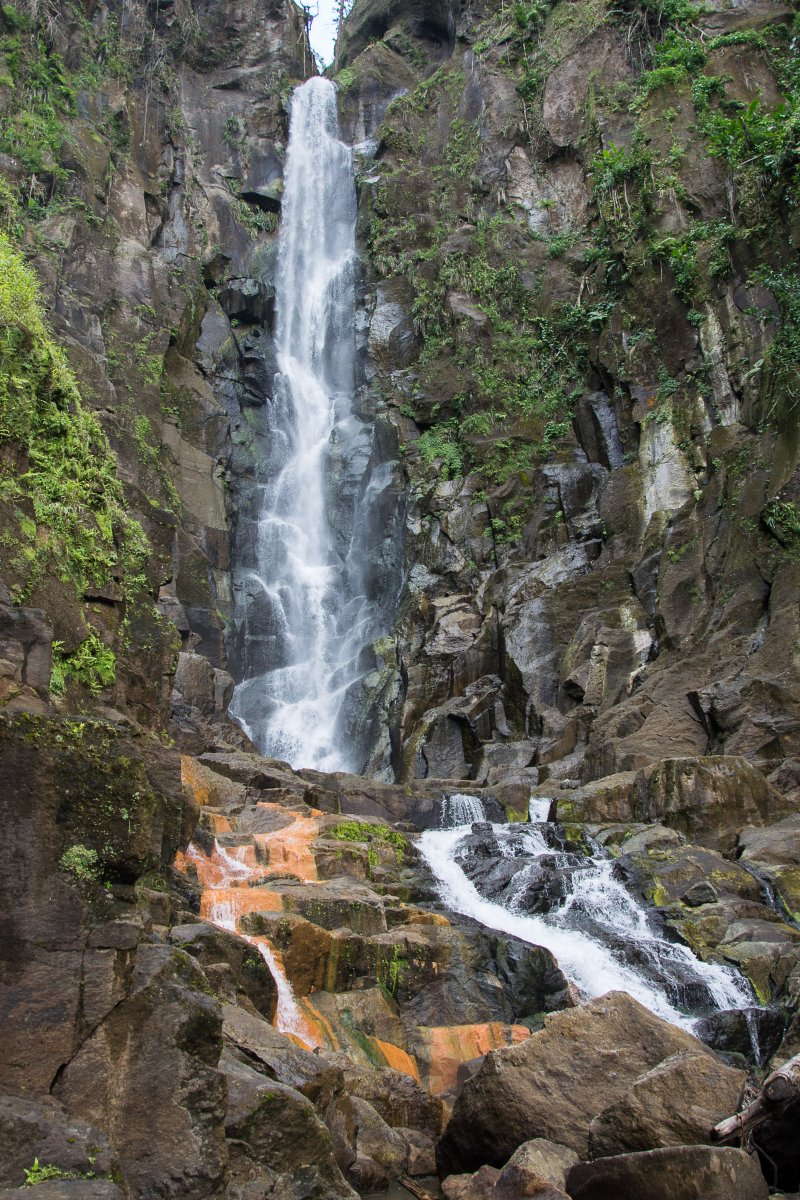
column 521, row 880
column 461, row 809
column 303, row 617
column 230, row 878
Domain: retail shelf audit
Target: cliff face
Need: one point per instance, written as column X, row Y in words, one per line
column 581, row 227
column 141, row 159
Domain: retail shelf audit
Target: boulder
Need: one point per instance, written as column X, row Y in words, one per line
column 156, row 1052
column 709, row 799
column 671, row 1173
column 553, row 1085
column 361, row 1136
column 674, row 1104
column 535, row 1160
column 275, row 1132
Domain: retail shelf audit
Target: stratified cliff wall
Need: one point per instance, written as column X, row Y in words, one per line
column 581, row 225
column 141, row 157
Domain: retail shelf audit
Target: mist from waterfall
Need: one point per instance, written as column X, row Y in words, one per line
column 306, row 616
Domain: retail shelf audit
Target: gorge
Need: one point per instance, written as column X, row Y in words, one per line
column 399, row 683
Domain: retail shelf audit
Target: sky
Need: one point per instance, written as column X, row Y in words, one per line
column 323, row 29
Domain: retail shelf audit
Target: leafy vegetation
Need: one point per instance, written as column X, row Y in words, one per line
column 63, row 494
column 92, row 664
column 83, row 863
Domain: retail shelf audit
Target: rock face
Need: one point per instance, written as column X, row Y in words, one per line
column 584, row 1061
column 681, row 1173
column 586, row 592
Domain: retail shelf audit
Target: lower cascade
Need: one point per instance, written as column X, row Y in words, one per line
column 522, row 880
column 303, row 615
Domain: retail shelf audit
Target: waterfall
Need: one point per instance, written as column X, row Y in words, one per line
column 461, row 809
column 519, row 880
column 306, row 619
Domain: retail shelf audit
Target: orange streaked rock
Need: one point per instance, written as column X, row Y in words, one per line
column 397, row 1058
column 225, row 906
column 217, row 822
column 443, row 1048
column 196, row 779
column 290, row 848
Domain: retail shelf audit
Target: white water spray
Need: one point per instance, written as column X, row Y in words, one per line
column 590, row 965
column 307, row 618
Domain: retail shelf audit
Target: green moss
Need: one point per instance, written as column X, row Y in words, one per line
column 345, row 79
column 65, row 497
column 363, row 831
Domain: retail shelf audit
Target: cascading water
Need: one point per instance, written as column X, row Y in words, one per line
column 515, row 879
column 306, row 619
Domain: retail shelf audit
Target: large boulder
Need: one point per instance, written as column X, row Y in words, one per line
column 709, row 799
column 673, row 1173
column 147, row 1077
column 554, row 1084
column 674, row 1104
column 278, row 1143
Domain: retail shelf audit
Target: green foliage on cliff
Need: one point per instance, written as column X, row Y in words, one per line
column 364, row 831
column 81, row 862
column 92, row 664
column 64, row 509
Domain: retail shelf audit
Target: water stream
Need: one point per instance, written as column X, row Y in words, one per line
column 304, row 618
column 517, row 879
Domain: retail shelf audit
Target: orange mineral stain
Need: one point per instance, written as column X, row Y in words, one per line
column 226, row 906
column 397, row 1058
column 233, row 877
column 194, row 777
column 451, row 1045
column 289, row 849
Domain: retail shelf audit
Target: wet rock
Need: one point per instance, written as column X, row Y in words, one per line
column 752, row 1034
column 675, row 1173
column 774, row 853
column 275, row 1132
column 674, row 1104
column 392, row 340
column 243, row 969
column 553, row 1085
column 315, row 1075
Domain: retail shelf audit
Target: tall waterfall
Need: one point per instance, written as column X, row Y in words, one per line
column 306, row 618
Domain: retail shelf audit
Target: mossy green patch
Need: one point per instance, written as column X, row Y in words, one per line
column 61, row 492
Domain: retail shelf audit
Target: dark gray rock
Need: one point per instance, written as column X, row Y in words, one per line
column 676, row 1173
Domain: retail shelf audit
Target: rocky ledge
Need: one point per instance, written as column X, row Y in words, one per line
column 290, row 996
